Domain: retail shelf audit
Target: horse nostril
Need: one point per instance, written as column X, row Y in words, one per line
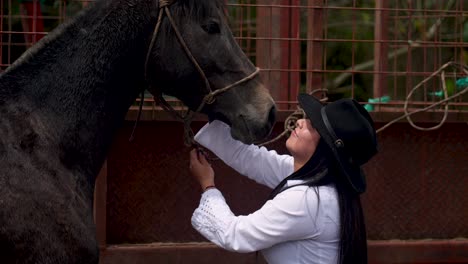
column 272, row 115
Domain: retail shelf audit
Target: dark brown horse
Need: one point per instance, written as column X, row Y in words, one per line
column 63, row 100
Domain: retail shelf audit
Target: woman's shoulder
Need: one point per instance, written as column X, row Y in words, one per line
column 322, row 198
column 328, row 192
column 317, row 203
column 296, row 188
column 300, row 195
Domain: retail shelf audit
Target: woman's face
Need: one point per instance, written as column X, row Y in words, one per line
column 303, row 141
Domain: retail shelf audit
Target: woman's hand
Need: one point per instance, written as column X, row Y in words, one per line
column 201, row 169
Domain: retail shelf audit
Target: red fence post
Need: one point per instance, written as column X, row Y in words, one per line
column 277, row 51
column 32, row 21
column 285, row 45
column 294, row 51
column 380, row 48
column 268, row 46
column 314, row 44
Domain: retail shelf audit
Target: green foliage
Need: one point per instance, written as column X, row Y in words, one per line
column 414, row 21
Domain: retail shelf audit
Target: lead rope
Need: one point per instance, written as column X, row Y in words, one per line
column 140, row 109
column 445, row 101
column 290, row 120
column 209, row 99
column 289, row 123
column 162, row 4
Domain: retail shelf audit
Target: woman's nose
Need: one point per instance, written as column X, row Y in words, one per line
column 299, row 123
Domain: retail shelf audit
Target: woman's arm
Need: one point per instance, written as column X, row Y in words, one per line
column 257, row 163
column 287, row 217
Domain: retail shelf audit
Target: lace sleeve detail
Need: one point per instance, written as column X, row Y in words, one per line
column 287, row 217
column 213, row 215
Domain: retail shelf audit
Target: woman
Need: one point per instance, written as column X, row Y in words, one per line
column 314, row 213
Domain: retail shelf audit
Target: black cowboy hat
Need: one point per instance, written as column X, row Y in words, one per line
column 348, row 130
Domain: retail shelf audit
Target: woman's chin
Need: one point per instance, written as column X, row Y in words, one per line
column 288, row 143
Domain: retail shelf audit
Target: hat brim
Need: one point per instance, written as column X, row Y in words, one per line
column 353, row 173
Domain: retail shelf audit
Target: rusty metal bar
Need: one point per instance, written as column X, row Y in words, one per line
column 314, row 48
column 353, row 49
column 380, row 48
column 284, row 49
column 263, row 46
column 32, row 21
column 409, row 82
column 352, row 8
column 295, row 52
column 380, row 252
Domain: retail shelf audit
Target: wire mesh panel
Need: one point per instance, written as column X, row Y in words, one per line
column 25, row 22
column 373, row 51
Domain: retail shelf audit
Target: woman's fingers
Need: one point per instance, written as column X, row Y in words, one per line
column 200, row 168
column 193, row 154
column 202, row 157
column 198, row 157
column 193, row 158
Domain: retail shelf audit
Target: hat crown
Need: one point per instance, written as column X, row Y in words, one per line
column 348, row 130
column 352, row 124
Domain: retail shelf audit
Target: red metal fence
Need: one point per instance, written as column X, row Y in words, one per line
column 367, row 51
column 374, row 51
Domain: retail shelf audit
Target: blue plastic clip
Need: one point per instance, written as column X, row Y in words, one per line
column 383, row 99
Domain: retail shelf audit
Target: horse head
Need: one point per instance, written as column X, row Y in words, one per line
column 203, row 58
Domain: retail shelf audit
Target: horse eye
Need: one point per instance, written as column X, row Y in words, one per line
column 211, row 27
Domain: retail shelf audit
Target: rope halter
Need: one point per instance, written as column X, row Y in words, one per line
column 209, row 98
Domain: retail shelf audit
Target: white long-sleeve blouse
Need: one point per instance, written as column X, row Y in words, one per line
column 294, row 227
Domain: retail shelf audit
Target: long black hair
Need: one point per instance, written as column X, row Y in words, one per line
column 321, row 169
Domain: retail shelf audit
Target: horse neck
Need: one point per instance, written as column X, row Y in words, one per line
column 79, row 82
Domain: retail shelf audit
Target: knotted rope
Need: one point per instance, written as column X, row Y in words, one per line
column 408, row 115
column 290, row 121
